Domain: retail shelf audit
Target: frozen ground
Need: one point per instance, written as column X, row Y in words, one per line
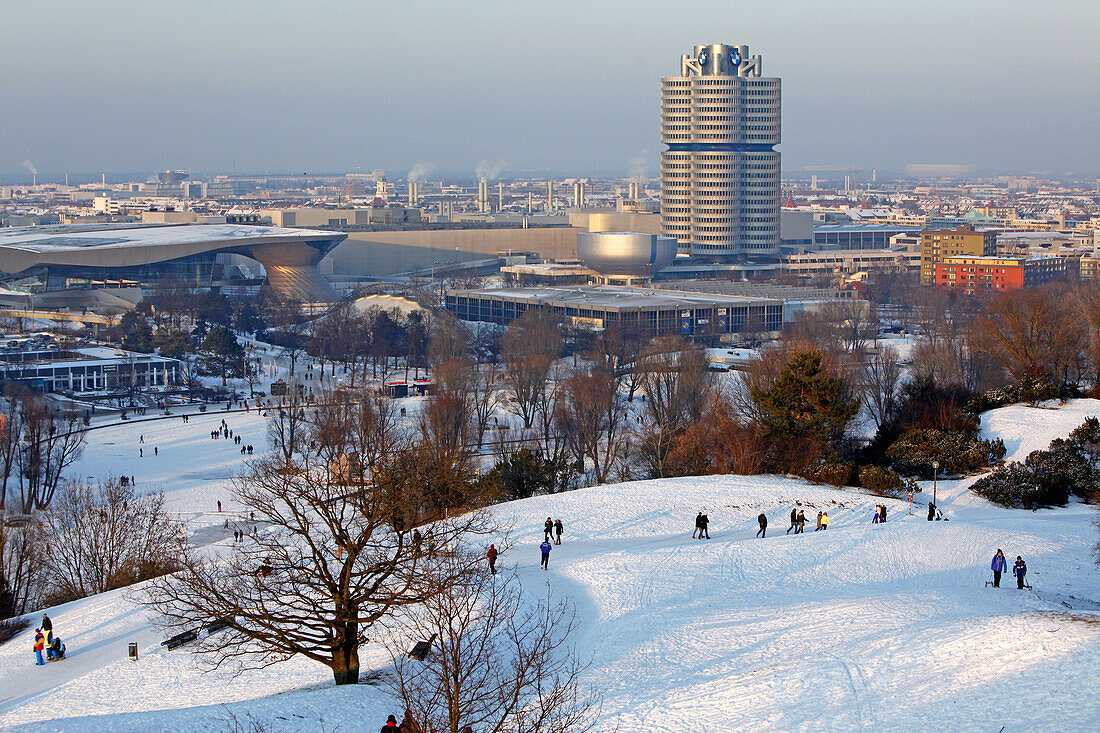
column 863, row 627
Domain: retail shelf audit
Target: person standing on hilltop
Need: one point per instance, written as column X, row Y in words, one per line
column 1019, row 570
column 763, row 521
column 492, row 555
column 548, row 529
column 558, row 529
column 998, row 566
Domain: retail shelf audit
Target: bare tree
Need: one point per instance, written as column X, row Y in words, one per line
column 105, row 536
column 286, row 318
column 336, row 559
column 676, row 384
column 22, row 568
column 52, row 442
column 530, row 345
column 497, row 663
column 591, row 418
column 1032, row 334
column 881, row 378
column 11, row 433
column 287, row 425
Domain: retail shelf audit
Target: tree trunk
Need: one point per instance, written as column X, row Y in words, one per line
column 345, row 657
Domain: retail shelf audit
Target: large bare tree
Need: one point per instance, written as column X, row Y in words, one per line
column 336, row 557
column 497, row 663
column 52, row 441
column 881, row 378
column 592, row 418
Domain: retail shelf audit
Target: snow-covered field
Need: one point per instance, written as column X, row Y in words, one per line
column 862, row 627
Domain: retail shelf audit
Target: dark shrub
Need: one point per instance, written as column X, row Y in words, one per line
column 834, row 473
column 957, row 452
column 885, row 482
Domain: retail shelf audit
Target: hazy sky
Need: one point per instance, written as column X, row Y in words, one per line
column 570, row 86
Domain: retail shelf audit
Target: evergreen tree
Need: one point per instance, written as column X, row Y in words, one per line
column 222, row 354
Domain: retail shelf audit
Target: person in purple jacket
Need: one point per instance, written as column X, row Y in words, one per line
column 998, row 566
column 545, row 548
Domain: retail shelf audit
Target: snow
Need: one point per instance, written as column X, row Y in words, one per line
column 862, row 627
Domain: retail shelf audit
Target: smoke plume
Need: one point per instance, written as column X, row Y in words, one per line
column 639, row 164
column 30, row 166
column 418, row 171
column 490, row 169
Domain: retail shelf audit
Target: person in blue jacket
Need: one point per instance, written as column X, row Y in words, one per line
column 998, row 566
column 545, row 547
column 1019, row 570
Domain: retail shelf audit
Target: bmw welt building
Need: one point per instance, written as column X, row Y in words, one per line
column 145, row 253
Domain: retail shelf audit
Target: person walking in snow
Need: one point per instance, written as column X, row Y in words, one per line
column 931, row 511
column 704, row 526
column 390, row 726
column 1019, row 570
column 998, row 566
column 492, row 555
column 548, row 529
column 882, row 514
column 156, row 451
column 698, row 525
column 39, row 645
column 545, row 549
column 558, row 529
column 801, row 523
column 219, row 505
column 824, row 520
column 818, row 527
column 875, row 516
column 794, row 521
column 763, row 520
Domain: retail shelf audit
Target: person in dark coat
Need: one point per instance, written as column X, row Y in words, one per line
column 390, row 726
column 998, row 566
column 698, row 526
column 492, row 555
column 794, row 521
column 545, row 549
column 1019, row 570
column 763, row 520
column 548, row 529
column 558, row 529
column 704, row 524
column 931, row 511
column 801, row 528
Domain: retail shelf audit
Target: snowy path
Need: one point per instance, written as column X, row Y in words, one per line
column 862, row 627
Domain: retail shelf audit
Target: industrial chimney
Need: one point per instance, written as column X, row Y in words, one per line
column 483, row 196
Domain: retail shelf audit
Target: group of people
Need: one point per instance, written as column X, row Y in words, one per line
column 46, row 642
column 879, row 517
column 702, row 527
column 407, row 726
column 798, row 521
column 552, row 530
column 1000, row 564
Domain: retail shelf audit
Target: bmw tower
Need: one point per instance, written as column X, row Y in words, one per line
column 720, row 193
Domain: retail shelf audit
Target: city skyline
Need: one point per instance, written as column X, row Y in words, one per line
column 999, row 87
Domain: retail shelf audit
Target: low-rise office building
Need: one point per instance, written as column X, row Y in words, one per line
column 936, row 245
column 645, row 311
column 86, row 369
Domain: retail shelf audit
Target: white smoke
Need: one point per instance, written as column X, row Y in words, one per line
column 30, row 166
column 639, row 163
column 418, row 171
column 490, row 169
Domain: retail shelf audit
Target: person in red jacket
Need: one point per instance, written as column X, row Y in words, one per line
column 391, row 726
column 492, row 555
column 39, row 645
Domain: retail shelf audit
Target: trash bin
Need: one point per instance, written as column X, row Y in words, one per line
column 133, row 650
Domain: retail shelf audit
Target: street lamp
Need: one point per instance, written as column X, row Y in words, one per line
column 935, row 472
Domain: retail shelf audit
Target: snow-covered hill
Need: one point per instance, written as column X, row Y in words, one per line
column 861, row 627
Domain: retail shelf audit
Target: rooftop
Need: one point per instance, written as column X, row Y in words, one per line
column 613, row 296
column 66, row 237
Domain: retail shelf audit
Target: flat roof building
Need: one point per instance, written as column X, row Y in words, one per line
column 938, row 244
column 645, row 311
column 86, row 369
column 998, row 274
